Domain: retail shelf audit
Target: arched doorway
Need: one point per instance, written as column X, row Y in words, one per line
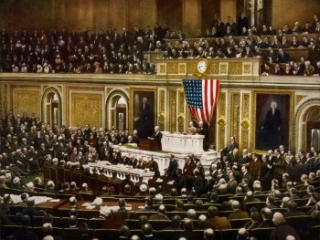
column 307, row 125
column 51, row 107
column 313, row 128
column 117, row 111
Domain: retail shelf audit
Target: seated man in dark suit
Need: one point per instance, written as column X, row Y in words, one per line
column 283, row 230
column 24, row 232
column 161, row 215
column 266, row 215
column 124, row 232
column 237, row 212
column 147, row 232
column 292, row 210
column 175, row 223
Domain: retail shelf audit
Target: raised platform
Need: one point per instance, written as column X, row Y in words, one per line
column 162, row 158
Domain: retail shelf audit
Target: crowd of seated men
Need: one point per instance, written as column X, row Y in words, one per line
column 264, row 191
column 111, row 51
column 76, row 52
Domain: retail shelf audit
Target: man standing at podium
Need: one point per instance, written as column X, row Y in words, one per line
column 157, row 136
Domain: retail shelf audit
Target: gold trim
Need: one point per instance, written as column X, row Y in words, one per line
column 221, row 123
column 180, row 120
column 299, row 98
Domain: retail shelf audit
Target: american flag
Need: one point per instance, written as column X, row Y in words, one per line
column 201, row 96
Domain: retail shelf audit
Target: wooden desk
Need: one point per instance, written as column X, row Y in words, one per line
column 51, row 204
column 148, row 145
column 110, row 203
column 121, row 170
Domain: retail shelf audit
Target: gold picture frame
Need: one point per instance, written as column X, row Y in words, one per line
column 143, row 114
column 273, row 120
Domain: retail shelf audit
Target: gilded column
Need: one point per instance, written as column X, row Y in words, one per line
column 161, row 116
column 234, row 114
column 181, row 116
column 221, row 120
column 245, row 120
column 172, row 110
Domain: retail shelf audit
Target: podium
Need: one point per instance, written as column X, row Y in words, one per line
column 180, row 143
column 148, row 145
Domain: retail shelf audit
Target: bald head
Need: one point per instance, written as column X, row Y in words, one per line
column 278, row 219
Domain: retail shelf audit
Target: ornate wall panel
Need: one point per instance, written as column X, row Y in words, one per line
column 86, row 108
column 26, row 100
column 172, row 110
column 161, row 112
column 172, row 68
column 181, row 107
column 299, row 98
column 247, row 68
column 245, row 123
column 221, row 120
column 235, row 68
column 235, row 114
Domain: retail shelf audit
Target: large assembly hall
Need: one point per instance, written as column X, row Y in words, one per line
column 160, row 119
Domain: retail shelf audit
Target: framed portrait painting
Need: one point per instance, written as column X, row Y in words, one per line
column 272, row 120
column 143, row 110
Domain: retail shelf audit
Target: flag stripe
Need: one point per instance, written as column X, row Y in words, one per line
column 201, row 97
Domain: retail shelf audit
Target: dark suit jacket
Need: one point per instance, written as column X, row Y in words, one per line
column 157, row 137
column 265, row 224
column 282, row 231
column 172, row 168
column 231, row 186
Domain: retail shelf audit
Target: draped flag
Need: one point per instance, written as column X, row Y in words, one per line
column 201, row 96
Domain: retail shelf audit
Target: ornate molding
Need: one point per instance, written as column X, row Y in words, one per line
column 235, row 68
column 221, row 132
column 172, row 68
column 245, row 132
column 299, row 98
column 161, row 120
column 181, row 101
column 235, row 113
column 161, row 100
column 221, row 123
column 245, row 123
column 172, row 110
column 214, row 68
column 180, row 120
column 222, row 104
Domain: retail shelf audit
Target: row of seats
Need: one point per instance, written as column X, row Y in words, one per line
column 109, row 234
